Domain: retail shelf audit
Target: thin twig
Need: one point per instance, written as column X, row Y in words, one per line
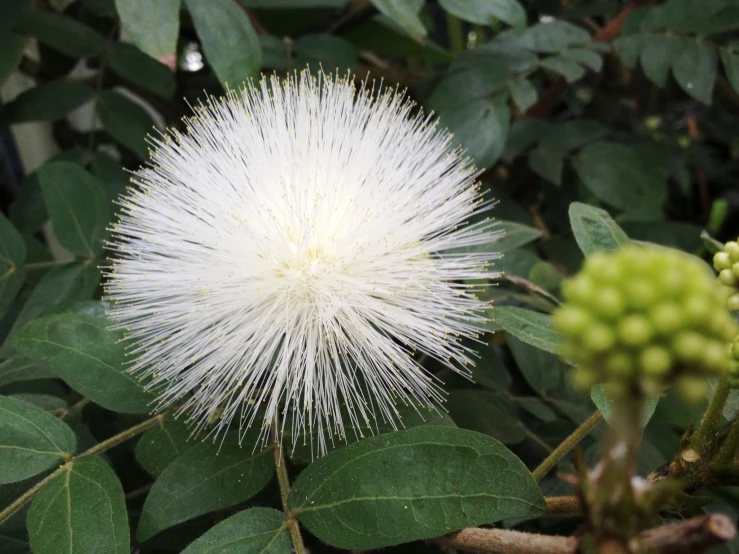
column 566, row 445
column 283, row 479
column 97, row 449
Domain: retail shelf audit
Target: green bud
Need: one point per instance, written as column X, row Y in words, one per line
column 721, row 260
column 598, row 338
column 689, row 345
column 733, row 302
column 727, row 277
column 571, row 320
column 656, row 361
column 579, row 290
column 693, row 389
column 634, row 330
column 583, row 379
column 732, row 248
column 609, row 303
column 619, row 364
column 640, row 294
column 666, row 319
column 698, row 310
column 735, row 269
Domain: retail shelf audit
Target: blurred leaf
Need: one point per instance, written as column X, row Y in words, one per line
column 72, row 282
column 274, row 55
column 203, row 479
column 620, row 175
column 45, row 102
column 546, row 276
column 584, row 57
column 125, row 120
column 402, row 13
column 89, row 356
column 327, row 51
column 604, row 403
column 547, row 164
column 485, row 12
column 230, row 44
column 676, row 234
column 17, row 368
column 461, row 86
column 550, row 38
column 12, row 257
column 515, row 235
column 656, row 57
column 81, row 510
column 694, row 67
column 729, row 58
column 133, row 65
column 11, row 45
column 253, row 531
column 481, row 126
column 77, row 206
column 111, row 174
column 152, row 26
column 531, row 327
column 162, row 444
column 572, row 135
column 595, row 230
column 486, row 413
column 380, row 37
column 62, row 33
column 523, row 93
column 490, row 370
column 31, row 440
column 412, row 485
column 570, row 70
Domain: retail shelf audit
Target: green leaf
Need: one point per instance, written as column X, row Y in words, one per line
column 487, row 413
column 604, row 403
column 412, row 485
column 523, row 93
column 229, row 41
column 73, row 282
column 62, row 33
column 11, row 45
column 572, row 135
column 109, row 172
column 583, row 56
column 77, row 206
column 621, row 175
column 515, row 235
column 595, row 230
column 31, row 440
column 547, row 164
column 132, row 64
column 481, row 126
column 274, row 54
column 694, row 67
column 46, row 102
column 729, row 58
column 152, row 26
column 82, row 510
column 204, row 479
column 327, row 51
column 162, row 444
column 82, row 350
column 46, row 402
column 17, row 368
column 531, row 327
column 125, row 120
column 12, row 256
column 253, row 531
column 485, row 12
column 402, row 13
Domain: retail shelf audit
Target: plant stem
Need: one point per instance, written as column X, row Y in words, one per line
column 283, row 479
column 46, row 265
column 21, row 501
column 729, row 447
column 566, row 445
column 706, row 431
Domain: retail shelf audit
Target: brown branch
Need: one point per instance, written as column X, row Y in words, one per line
column 503, row 541
column 552, row 96
column 563, row 506
column 692, row 536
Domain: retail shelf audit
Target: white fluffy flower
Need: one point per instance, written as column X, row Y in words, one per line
column 292, row 251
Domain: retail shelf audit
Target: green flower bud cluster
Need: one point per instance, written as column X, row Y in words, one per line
column 641, row 319
column 726, row 263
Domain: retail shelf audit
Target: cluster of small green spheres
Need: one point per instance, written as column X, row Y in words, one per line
column 641, row 319
column 726, row 263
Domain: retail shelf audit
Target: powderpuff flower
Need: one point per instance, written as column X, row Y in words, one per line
column 292, row 251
